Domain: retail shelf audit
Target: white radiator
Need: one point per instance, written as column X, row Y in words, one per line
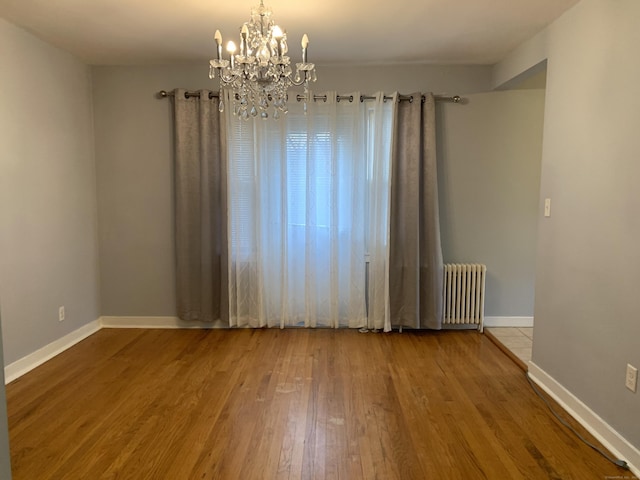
column 464, row 294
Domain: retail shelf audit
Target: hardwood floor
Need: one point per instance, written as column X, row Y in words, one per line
column 287, row 404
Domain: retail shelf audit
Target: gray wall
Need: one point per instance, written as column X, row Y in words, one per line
column 48, row 239
column 439, row 79
column 493, row 132
column 489, row 181
column 586, row 305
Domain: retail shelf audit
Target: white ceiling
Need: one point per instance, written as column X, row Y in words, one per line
column 125, row 32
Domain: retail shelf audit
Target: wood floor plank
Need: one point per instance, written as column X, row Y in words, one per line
column 288, row 404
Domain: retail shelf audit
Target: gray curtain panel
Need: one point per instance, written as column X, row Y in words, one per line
column 200, row 209
column 415, row 257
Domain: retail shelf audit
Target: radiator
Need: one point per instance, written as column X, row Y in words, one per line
column 464, row 294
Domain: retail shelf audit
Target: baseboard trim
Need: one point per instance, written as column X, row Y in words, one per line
column 26, row 364
column 508, row 322
column 156, row 322
column 610, row 438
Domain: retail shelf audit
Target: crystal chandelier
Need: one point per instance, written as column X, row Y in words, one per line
column 260, row 74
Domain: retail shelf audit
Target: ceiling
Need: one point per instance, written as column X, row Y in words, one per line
column 126, row 32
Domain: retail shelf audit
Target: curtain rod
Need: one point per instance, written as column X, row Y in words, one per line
column 439, row 98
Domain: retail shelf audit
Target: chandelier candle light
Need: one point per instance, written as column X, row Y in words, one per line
column 260, row 74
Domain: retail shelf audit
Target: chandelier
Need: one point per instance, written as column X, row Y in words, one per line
column 260, row 74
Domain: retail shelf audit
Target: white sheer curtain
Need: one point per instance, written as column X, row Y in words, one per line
column 303, row 221
column 380, row 122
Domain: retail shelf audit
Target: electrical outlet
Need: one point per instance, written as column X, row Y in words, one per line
column 632, row 378
column 61, row 313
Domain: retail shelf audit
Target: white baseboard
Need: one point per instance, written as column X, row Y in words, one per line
column 508, row 322
column 611, row 439
column 155, row 322
column 31, row 361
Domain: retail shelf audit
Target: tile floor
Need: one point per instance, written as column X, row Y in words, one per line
column 517, row 340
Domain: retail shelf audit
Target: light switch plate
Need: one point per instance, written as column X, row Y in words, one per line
column 632, row 378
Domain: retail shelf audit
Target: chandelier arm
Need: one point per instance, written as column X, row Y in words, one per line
column 229, row 78
column 299, row 84
column 302, row 81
